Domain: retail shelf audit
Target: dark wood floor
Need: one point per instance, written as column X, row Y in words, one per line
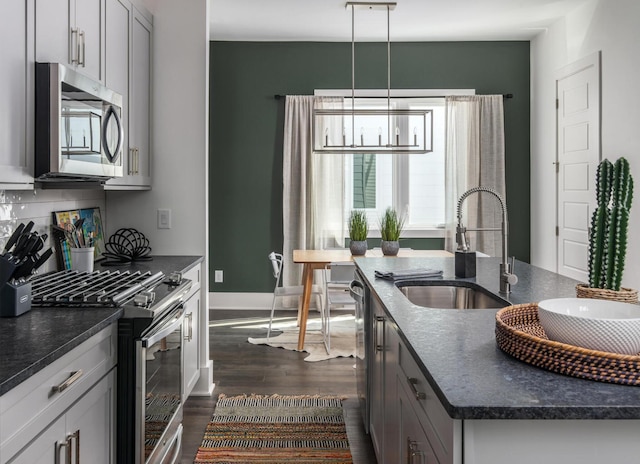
column 240, row 367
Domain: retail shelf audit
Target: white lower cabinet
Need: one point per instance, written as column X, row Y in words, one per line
column 413, row 445
column 66, row 411
column 191, row 331
column 85, row 433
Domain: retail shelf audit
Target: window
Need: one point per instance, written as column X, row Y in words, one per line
column 413, row 184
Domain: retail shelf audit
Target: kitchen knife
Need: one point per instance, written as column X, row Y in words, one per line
column 14, row 238
column 28, row 228
column 32, row 263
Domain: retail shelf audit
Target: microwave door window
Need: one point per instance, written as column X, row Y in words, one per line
column 80, row 131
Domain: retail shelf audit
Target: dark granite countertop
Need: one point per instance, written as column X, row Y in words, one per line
column 457, row 352
column 34, row 340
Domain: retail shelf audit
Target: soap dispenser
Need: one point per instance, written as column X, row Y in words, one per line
column 465, row 259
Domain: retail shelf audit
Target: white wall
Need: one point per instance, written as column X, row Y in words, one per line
column 180, row 134
column 612, row 28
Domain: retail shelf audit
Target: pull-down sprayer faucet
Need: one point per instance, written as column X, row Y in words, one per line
column 507, row 277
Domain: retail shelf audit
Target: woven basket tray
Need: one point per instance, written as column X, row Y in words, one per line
column 519, row 333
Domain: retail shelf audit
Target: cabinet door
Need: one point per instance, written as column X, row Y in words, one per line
column 92, row 420
column 14, row 167
column 413, row 447
column 70, row 32
column 376, row 379
column 390, row 403
column 117, row 64
column 190, row 352
column 88, row 16
column 140, row 139
column 46, row 445
column 54, row 21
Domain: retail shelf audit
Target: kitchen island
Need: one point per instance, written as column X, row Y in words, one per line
column 496, row 404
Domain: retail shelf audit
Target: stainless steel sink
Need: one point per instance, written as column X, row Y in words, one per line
column 450, row 295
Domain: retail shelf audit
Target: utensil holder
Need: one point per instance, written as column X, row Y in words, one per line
column 15, row 299
column 82, row 259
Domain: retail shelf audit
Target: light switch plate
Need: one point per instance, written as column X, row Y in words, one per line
column 218, row 276
column 164, row 219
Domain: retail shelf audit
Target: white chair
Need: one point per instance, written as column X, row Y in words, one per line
column 337, row 277
column 280, row 291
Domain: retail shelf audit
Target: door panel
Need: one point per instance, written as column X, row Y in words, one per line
column 578, row 151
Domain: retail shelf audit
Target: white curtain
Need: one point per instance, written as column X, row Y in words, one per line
column 312, row 185
column 475, row 157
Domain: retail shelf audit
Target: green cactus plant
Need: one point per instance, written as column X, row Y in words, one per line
column 609, row 224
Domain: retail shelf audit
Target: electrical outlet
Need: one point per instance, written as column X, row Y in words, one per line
column 218, row 276
column 164, row 219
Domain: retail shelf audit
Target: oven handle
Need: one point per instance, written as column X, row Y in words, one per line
column 172, row 321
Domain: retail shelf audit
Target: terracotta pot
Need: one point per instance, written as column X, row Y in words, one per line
column 627, row 295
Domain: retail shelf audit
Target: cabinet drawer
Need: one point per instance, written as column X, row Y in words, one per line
column 438, row 426
column 31, row 406
column 194, row 275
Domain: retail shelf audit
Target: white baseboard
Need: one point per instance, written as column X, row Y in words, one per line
column 230, row 300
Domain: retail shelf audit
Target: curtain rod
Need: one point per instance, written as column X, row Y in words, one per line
column 278, row 96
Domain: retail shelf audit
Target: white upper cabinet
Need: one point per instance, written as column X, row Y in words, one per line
column 137, row 91
column 15, row 165
column 71, row 32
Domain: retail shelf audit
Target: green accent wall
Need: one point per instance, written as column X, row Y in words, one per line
column 246, row 127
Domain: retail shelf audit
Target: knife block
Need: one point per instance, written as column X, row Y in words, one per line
column 15, row 298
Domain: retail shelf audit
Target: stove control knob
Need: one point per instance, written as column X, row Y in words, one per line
column 175, row 278
column 144, row 298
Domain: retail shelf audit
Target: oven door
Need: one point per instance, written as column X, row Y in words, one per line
column 159, row 390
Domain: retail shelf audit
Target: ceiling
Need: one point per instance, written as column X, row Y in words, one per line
column 411, row 20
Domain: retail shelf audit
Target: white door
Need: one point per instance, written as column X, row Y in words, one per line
column 578, row 155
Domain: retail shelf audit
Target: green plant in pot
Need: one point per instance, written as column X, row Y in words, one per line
column 391, row 225
column 608, row 235
column 358, row 230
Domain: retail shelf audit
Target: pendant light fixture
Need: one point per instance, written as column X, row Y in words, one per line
column 381, row 130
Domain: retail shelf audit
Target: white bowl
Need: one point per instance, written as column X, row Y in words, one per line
column 600, row 325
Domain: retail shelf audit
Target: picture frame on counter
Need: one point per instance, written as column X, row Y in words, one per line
column 91, row 233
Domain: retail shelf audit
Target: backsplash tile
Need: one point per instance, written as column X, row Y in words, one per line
column 18, row 206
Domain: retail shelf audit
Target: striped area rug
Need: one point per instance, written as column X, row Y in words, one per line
column 276, row 429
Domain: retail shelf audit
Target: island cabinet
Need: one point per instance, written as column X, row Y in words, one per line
column 66, row 411
column 407, row 422
column 128, row 71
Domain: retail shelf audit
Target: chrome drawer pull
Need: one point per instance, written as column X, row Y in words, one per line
column 413, row 451
column 412, row 383
column 189, row 336
column 67, row 383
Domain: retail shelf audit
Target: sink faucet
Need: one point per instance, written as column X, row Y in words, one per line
column 507, row 277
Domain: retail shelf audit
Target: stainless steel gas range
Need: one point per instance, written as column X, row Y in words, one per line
column 150, row 369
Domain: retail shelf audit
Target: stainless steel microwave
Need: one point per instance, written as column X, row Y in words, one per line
column 78, row 127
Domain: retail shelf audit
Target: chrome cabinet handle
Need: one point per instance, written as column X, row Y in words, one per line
column 379, row 346
column 137, row 161
column 73, row 46
column 412, row 384
column 74, row 436
column 130, row 161
column 413, row 451
column 67, row 383
column 81, row 45
column 67, row 455
column 189, row 335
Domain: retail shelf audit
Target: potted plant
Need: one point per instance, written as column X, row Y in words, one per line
column 608, row 235
column 390, row 228
column 358, row 230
